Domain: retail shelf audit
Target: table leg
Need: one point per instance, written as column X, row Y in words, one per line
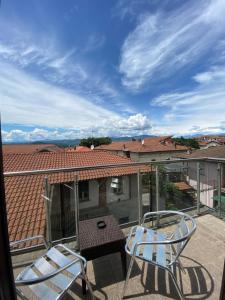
column 124, row 262
column 84, row 290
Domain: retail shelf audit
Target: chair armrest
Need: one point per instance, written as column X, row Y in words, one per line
column 73, row 253
column 12, row 244
column 165, row 242
column 19, row 282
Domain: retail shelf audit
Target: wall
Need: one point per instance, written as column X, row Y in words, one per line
column 208, row 180
column 111, row 196
column 93, row 195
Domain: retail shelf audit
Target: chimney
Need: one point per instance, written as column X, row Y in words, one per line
column 143, row 142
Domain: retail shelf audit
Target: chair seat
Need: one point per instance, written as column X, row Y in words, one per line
column 159, row 254
column 54, row 287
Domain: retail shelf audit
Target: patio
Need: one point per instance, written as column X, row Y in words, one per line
column 202, row 259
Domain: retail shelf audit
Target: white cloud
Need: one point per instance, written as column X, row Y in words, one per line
column 202, row 109
column 26, row 100
column 31, row 102
column 113, row 126
column 165, row 42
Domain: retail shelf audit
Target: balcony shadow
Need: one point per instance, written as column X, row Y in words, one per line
column 108, row 270
column 76, row 290
column 195, row 283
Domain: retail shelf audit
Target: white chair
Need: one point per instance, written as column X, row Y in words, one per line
column 158, row 247
column 50, row 276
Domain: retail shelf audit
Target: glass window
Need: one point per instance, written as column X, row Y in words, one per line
column 84, row 191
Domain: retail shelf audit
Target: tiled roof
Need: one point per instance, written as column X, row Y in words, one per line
column 183, row 186
column 44, row 161
column 30, row 148
column 78, row 149
column 215, row 152
column 152, row 144
column 25, row 204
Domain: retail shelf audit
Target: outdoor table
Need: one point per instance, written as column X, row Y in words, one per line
column 96, row 242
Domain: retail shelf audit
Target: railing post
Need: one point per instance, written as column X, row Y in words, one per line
column 77, row 212
column 48, row 212
column 157, row 191
column 139, row 186
column 198, row 187
column 219, row 187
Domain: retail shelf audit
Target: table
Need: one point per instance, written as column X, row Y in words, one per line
column 95, row 242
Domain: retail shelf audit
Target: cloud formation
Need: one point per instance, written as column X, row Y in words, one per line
column 201, row 109
column 165, row 42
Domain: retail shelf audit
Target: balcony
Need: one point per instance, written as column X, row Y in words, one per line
column 180, row 185
column 202, row 259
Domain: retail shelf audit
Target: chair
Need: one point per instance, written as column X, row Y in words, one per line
column 158, row 247
column 50, row 276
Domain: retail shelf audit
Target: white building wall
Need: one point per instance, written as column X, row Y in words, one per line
column 208, row 180
column 93, row 195
column 113, row 197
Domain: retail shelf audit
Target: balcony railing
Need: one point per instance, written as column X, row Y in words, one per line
column 193, row 185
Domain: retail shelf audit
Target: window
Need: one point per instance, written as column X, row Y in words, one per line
column 117, row 185
column 83, row 191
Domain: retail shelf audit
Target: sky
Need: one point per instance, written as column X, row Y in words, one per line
column 73, row 69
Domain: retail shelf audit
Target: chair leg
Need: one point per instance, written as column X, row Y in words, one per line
column 176, row 285
column 89, row 286
column 128, row 275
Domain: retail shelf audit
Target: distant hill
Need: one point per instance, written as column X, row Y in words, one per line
column 72, row 142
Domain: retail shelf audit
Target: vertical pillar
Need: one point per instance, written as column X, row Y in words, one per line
column 198, row 187
column 219, row 187
column 7, row 286
column 139, row 186
column 77, row 211
column 48, row 212
column 157, row 190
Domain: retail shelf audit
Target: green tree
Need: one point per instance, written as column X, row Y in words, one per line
column 187, row 142
column 95, row 141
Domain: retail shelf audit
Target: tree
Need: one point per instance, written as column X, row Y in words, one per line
column 95, row 141
column 187, row 142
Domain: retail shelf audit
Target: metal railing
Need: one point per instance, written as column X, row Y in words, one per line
column 155, row 189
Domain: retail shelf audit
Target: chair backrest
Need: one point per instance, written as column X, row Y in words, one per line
column 183, row 232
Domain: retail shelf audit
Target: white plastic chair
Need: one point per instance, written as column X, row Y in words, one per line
column 50, row 276
column 157, row 247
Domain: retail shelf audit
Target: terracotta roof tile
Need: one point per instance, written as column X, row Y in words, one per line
column 152, row 144
column 215, row 152
column 30, row 148
column 25, row 204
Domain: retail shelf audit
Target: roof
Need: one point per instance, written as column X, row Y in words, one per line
column 25, row 204
column 78, row 149
column 213, row 152
column 183, row 186
column 152, row 144
column 211, row 138
column 30, row 148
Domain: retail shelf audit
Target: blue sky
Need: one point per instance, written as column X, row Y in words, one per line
column 71, row 69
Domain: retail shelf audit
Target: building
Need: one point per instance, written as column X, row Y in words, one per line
column 101, row 190
column 208, row 173
column 30, row 148
column 148, row 149
column 210, row 141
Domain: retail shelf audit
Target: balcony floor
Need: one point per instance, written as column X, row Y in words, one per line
column 202, row 259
